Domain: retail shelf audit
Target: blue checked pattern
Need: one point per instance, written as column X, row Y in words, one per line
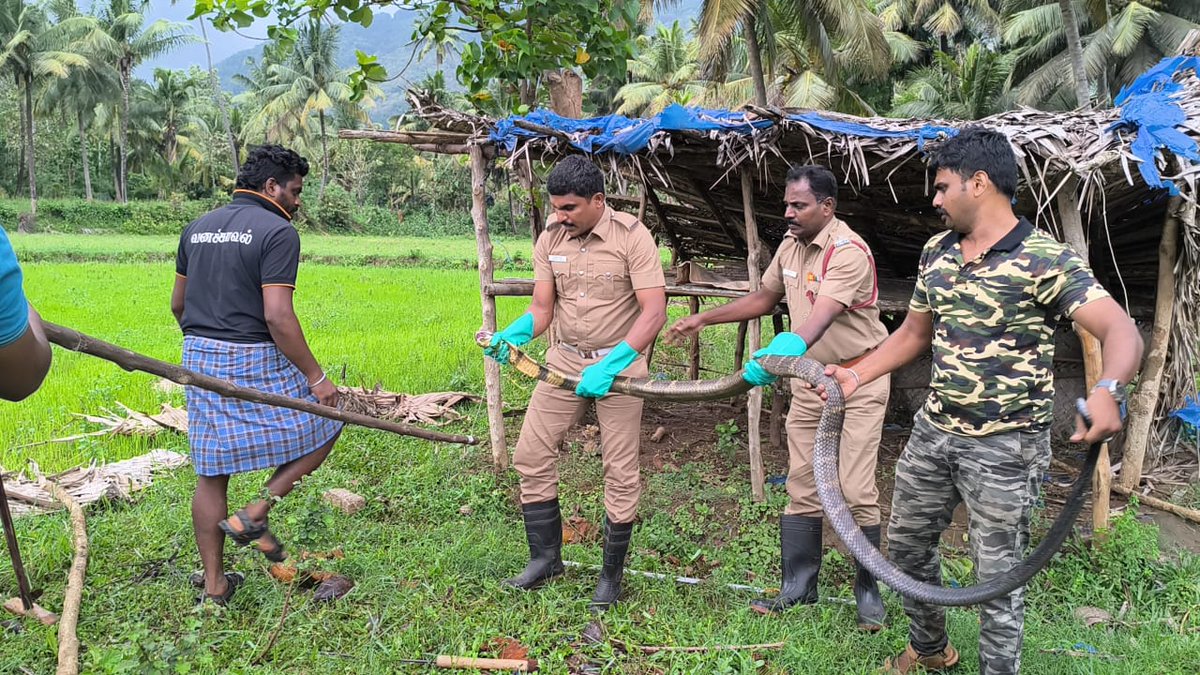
column 229, row 435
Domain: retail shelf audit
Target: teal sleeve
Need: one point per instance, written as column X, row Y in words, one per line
column 14, row 309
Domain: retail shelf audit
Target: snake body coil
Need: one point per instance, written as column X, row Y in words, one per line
column 825, row 467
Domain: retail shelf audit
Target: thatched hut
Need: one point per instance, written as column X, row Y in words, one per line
column 1119, row 185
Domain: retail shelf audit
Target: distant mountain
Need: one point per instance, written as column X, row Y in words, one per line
column 389, row 38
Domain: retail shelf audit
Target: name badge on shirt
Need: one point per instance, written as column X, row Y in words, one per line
column 558, row 258
column 789, row 273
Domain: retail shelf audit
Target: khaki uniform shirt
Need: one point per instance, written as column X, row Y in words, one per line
column 796, row 272
column 993, row 327
column 595, row 277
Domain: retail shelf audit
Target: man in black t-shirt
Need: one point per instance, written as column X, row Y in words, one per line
column 235, row 276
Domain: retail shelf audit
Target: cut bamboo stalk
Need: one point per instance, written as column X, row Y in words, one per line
column 1144, row 401
column 491, row 369
column 694, row 343
column 1181, row 511
column 1072, row 224
column 778, row 399
column 68, row 638
column 75, row 341
column 754, row 399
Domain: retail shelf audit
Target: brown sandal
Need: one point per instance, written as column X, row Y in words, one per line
column 232, row 581
column 248, row 531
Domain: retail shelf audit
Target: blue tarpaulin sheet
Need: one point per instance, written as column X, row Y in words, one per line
column 1149, row 107
column 1189, row 414
column 627, row 136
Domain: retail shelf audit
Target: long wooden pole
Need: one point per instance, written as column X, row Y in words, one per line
column 694, row 343
column 68, row 638
column 1072, row 224
column 491, row 369
column 754, row 399
column 1145, row 399
column 778, row 399
column 14, row 552
column 75, row 341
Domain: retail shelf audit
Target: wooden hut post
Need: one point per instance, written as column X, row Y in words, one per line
column 694, row 343
column 739, row 345
column 1145, row 399
column 754, row 399
column 779, row 399
column 1072, row 224
column 483, row 243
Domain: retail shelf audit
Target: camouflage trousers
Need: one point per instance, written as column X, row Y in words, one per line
column 998, row 478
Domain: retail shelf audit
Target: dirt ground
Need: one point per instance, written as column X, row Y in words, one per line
column 689, row 433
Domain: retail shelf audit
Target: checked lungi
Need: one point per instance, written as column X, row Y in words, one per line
column 228, row 435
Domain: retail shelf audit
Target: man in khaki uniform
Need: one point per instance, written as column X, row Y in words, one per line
column 599, row 280
column 827, row 274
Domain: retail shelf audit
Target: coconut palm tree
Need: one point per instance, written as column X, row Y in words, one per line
column 951, row 24
column 797, row 42
column 966, row 88
column 305, row 83
column 1119, row 41
column 131, row 43
column 665, row 71
column 84, row 88
column 33, row 51
column 170, row 101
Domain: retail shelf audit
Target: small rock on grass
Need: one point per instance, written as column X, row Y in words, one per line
column 345, row 501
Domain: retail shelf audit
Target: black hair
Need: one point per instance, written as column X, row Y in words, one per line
column 270, row 161
column 977, row 148
column 575, row 175
column 821, row 181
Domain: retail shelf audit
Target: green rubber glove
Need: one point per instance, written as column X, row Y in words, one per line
column 784, row 344
column 597, row 379
column 517, row 333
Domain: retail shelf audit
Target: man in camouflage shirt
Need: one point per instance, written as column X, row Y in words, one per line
column 989, row 293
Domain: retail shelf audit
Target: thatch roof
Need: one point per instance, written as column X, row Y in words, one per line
column 695, row 174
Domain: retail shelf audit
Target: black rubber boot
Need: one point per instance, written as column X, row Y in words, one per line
column 543, row 529
column 800, row 546
column 871, row 612
column 616, row 546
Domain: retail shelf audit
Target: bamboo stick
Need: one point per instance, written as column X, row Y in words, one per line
column 694, row 343
column 1072, row 224
column 491, row 369
column 68, row 638
column 75, row 341
column 1183, row 512
column 778, row 398
column 1145, row 399
column 754, row 399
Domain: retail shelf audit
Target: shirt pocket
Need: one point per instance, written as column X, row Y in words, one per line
column 564, row 282
column 793, row 289
column 609, row 280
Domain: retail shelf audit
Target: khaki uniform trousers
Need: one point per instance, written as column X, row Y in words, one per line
column 861, row 431
column 552, row 411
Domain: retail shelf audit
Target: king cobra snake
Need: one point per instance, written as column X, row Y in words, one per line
column 825, row 467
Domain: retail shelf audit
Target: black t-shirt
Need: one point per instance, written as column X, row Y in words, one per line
column 228, row 256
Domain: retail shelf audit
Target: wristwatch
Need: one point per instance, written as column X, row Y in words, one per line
column 1114, row 387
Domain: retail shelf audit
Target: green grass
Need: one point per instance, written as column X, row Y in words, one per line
column 428, row 570
column 508, row 253
column 408, row 329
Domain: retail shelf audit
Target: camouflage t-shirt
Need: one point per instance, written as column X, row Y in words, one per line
column 993, row 327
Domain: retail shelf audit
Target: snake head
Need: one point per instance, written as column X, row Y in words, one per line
column 483, row 338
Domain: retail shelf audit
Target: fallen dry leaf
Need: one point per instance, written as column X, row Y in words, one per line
column 593, row 633
column 332, row 588
column 506, row 648
column 577, row 530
